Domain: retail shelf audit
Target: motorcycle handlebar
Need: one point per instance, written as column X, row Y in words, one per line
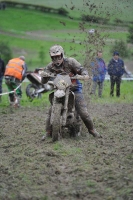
column 79, row 77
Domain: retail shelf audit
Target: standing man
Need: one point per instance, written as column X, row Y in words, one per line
column 115, row 70
column 98, row 72
column 2, row 71
column 72, row 67
column 14, row 74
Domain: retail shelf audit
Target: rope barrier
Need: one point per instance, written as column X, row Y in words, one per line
column 12, row 91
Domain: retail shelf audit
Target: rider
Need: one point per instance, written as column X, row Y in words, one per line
column 72, row 67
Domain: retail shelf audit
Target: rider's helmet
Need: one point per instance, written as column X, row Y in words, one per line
column 57, row 54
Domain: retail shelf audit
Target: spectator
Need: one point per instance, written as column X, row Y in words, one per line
column 14, row 74
column 2, row 71
column 116, row 70
column 98, row 71
column 2, row 6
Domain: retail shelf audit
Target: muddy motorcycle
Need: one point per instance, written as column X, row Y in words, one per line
column 64, row 119
column 35, row 88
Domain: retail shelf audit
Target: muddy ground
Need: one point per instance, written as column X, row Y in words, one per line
column 79, row 168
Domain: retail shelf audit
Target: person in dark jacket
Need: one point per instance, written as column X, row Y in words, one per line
column 2, row 71
column 98, row 72
column 116, row 69
column 72, row 67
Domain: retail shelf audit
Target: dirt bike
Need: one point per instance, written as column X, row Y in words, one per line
column 63, row 113
column 35, row 88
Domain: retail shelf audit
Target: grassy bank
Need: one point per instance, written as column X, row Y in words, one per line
column 126, row 96
column 32, row 30
column 114, row 9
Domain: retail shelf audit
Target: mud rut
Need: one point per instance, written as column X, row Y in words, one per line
column 82, row 168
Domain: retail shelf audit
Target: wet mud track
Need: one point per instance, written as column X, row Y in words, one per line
column 73, row 168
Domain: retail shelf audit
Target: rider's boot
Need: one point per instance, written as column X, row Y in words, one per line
column 95, row 133
column 48, row 135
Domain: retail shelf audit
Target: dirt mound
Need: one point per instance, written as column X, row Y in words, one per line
column 80, row 168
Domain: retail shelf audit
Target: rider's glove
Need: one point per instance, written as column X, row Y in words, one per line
column 36, row 70
column 86, row 77
column 44, row 74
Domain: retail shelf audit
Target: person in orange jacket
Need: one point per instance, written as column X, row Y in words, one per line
column 15, row 73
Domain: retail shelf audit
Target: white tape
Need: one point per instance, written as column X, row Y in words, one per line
column 11, row 91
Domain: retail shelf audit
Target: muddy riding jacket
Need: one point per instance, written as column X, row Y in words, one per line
column 71, row 67
column 116, row 67
column 15, row 68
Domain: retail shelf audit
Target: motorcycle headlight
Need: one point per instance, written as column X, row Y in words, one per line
column 59, row 93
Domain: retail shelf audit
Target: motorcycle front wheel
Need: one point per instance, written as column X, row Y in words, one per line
column 31, row 92
column 56, row 126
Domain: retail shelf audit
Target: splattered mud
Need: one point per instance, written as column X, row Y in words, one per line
column 81, row 168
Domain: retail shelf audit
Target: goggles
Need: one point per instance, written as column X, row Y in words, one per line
column 56, row 58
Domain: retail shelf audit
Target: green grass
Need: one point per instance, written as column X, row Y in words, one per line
column 117, row 35
column 51, row 32
column 116, row 9
column 17, row 22
column 25, row 101
column 30, row 48
column 82, row 36
column 126, row 96
column 30, row 20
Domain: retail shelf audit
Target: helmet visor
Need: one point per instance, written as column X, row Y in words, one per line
column 57, row 60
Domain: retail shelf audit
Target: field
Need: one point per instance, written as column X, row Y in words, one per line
column 74, row 168
column 117, row 9
column 32, row 31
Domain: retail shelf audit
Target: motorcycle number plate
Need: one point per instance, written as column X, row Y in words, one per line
column 59, row 93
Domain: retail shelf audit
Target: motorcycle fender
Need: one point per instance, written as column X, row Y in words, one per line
column 51, row 96
column 59, row 93
column 34, row 78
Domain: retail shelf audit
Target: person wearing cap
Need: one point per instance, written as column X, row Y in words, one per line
column 116, row 70
column 98, row 72
column 15, row 73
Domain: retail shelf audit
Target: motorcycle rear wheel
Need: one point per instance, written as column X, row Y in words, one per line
column 30, row 92
column 56, row 126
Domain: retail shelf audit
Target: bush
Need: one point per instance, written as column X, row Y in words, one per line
column 94, row 19
column 62, row 11
column 118, row 21
column 5, row 51
column 121, row 47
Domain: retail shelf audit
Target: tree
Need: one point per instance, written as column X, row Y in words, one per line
column 121, row 47
column 5, row 51
column 130, row 34
column 62, row 11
